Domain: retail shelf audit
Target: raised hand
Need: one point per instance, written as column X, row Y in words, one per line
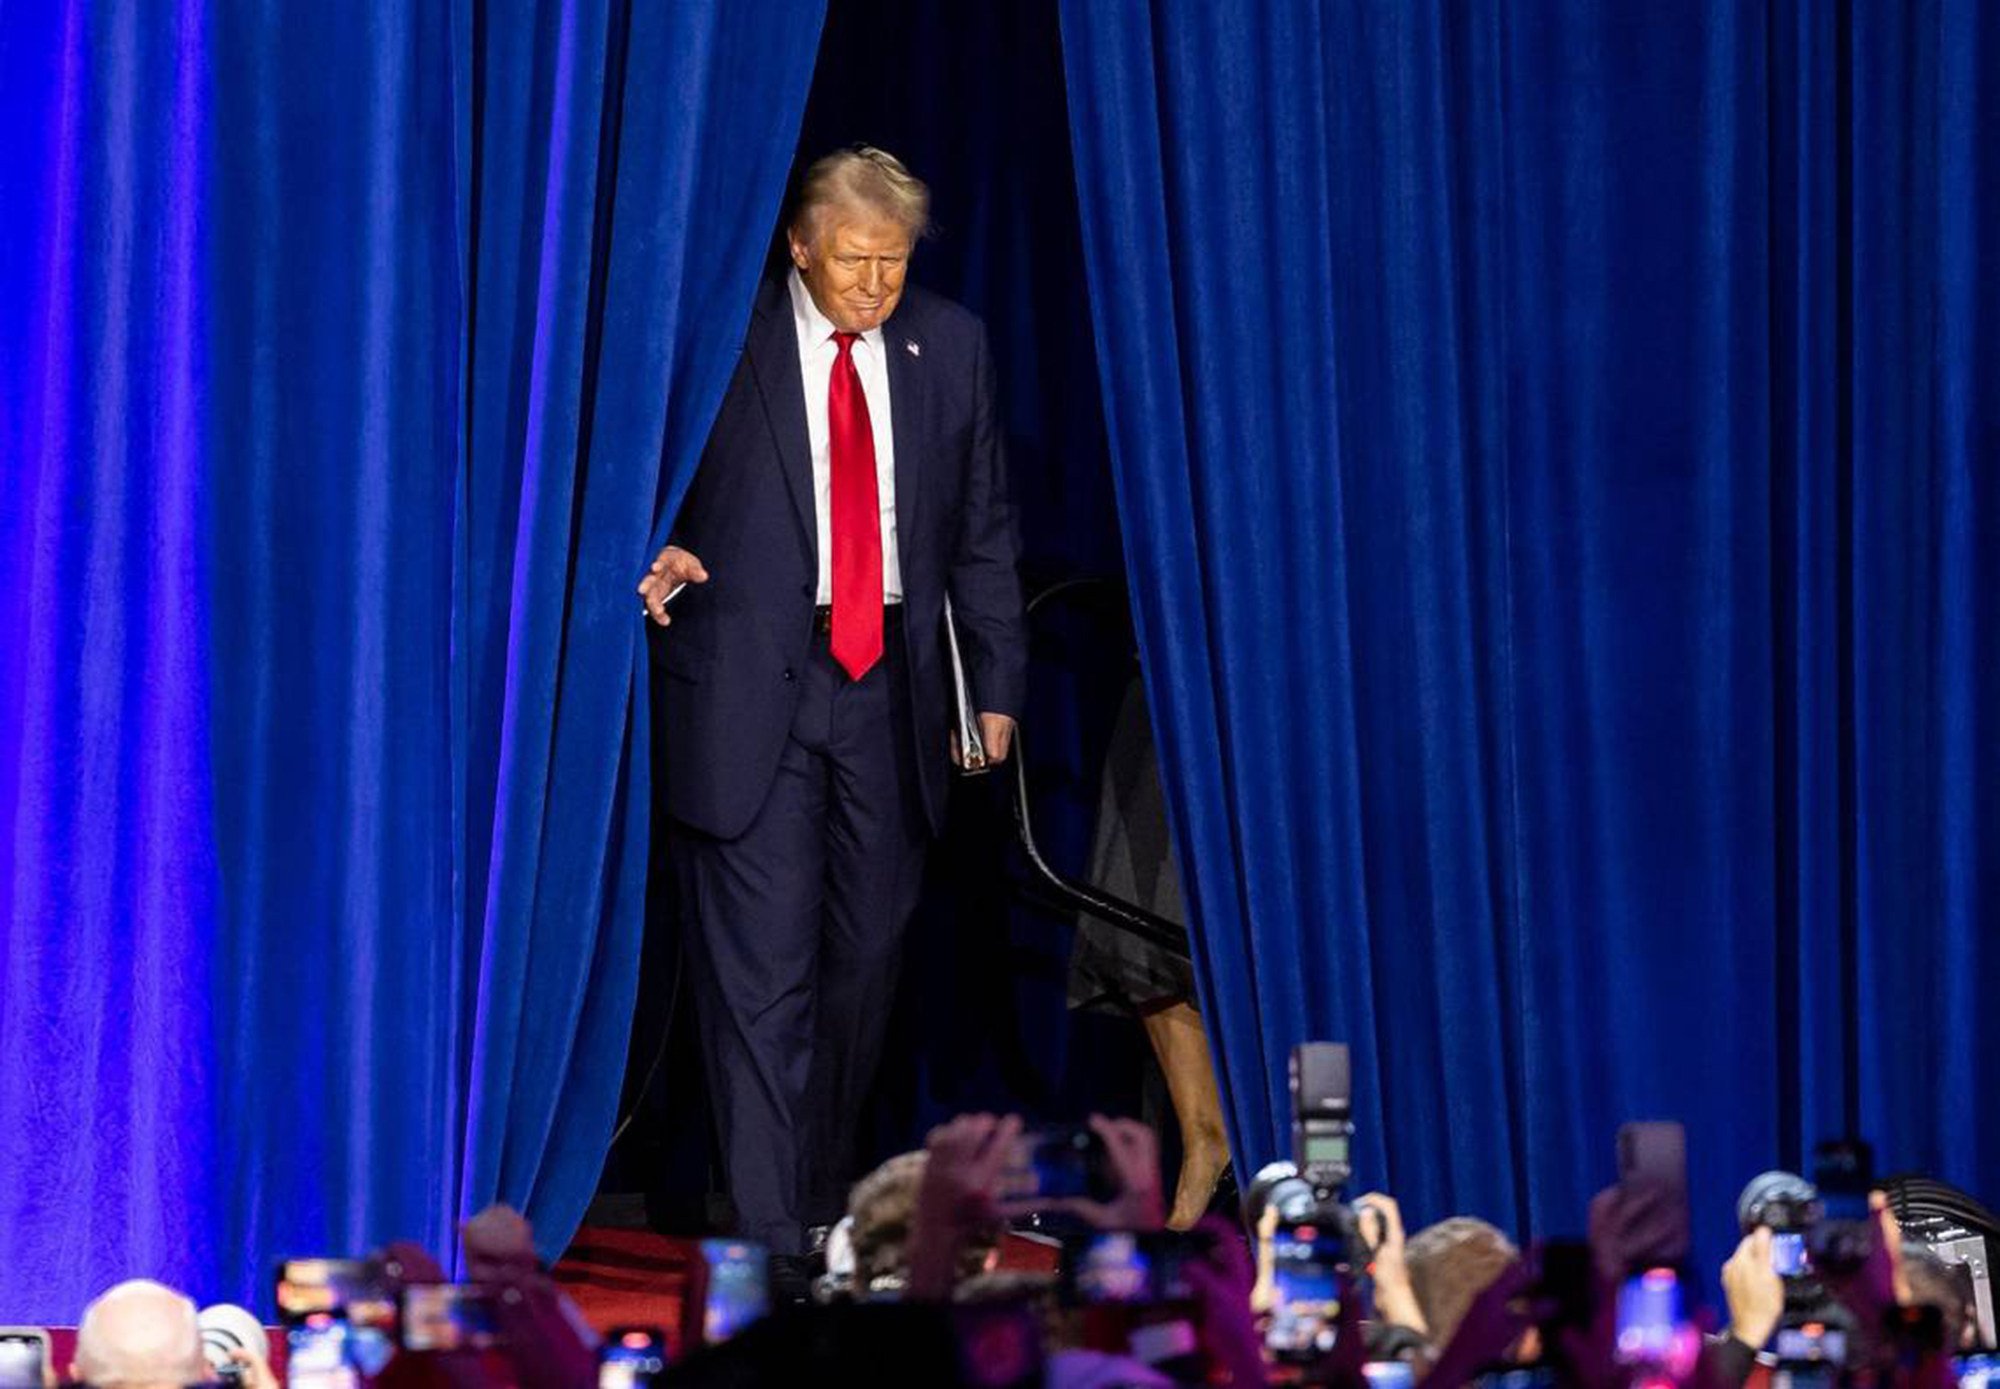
column 671, row 568
column 963, row 1163
column 1754, row 1291
column 1134, row 1154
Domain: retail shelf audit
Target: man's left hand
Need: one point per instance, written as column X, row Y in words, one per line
column 997, row 732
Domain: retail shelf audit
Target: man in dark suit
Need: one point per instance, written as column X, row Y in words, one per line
column 853, row 481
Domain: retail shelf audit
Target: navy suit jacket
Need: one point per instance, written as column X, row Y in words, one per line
column 733, row 652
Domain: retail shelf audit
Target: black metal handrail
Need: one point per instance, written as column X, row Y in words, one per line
column 1114, row 911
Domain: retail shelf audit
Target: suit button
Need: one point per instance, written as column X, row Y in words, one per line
column 789, row 676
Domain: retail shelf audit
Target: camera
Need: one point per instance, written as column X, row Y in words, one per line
column 1322, row 1114
column 1316, row 1238
column 1789, row 1207
column 1306, row 1193
column 1818, row 1226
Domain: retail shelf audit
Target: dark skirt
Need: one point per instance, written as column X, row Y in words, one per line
column 1131, row 857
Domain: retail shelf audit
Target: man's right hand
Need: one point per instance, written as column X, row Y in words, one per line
column 671, row 568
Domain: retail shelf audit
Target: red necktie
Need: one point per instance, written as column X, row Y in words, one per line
column 856, row 518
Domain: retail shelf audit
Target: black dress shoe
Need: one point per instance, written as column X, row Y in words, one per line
column 791, row 1280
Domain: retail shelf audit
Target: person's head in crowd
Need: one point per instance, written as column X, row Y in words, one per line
column 139, row 1335
column 882, row 1205
column 1451, row 1263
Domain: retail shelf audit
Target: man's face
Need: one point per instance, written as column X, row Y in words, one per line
column 852, row 261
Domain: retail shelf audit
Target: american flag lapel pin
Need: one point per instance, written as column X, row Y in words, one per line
column 913, row 347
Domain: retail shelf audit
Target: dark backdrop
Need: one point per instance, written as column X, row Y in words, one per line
column 971, row 98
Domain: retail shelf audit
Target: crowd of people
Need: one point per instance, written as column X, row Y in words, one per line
column 915, row 1292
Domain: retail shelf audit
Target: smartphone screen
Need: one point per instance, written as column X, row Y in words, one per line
column 1113, row 1268
column 1977, row 1371
column 325, row 1285
column 631, row 1357
column 1521, row 1377
column 354, row 1288
column 1815, row 1343
column 1653, row 1331
column 24, row 1354
column 447, row 1316
column 739, row 1287
column 318, row 1353
column 1788, row 1255
column 1118, row 1266
column 1057, row 1164
column 1307, row 1276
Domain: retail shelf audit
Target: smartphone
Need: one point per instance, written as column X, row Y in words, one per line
column 1977, row 1371
column 359, row 1290
column 1389, row 1374
column 1788, row 1255
column 1654, row 1156
column 326, row 1285
column 1843, row 1170
column 1117, row 1266
column 1112, row 1268
column 1814, row 1343
column 447, row 1316
column 737, row 1289
column 1520, row 1377
column 632, row 1357
column 1058, row 1163
column 318, row 1353
column 1654, row 1335
column 1309, row 1277
column 24, row 1357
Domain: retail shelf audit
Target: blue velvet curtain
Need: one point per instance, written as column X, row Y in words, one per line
column 1557, row 447
column 347, row 371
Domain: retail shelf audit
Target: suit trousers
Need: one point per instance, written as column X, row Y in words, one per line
column 793, row 934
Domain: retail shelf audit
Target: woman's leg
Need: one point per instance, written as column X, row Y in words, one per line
column 1181, row 1043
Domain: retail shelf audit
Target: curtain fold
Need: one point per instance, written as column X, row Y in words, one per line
column 1556, row 450
column 348, row 370
column 108, row 875
column 629, row 161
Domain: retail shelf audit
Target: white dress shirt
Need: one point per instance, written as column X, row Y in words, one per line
column 817, row 354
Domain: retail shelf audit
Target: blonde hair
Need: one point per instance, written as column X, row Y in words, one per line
column 862, row 177
column 884, row 1205
column 1450, row 1264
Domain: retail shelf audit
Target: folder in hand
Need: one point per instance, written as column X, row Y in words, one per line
column 966, row 736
